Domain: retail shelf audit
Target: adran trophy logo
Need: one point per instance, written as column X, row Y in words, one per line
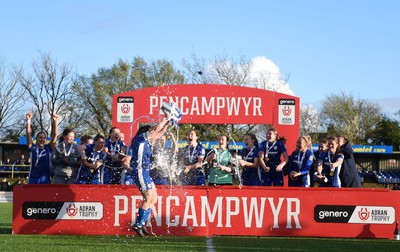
column 72, row 210
column 363, row 214
column 286, row 111
column 125, row 109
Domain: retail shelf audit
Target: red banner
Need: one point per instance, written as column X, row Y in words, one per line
column 210, row 104
column 206, row 211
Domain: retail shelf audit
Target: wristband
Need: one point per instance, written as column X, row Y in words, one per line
column 28, row 121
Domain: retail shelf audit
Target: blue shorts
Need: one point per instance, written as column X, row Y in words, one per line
column 142, row 179
column 39, row 181
column 127, row 178
column 272, row 178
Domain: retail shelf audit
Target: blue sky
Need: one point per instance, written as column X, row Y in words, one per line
column 324, row 46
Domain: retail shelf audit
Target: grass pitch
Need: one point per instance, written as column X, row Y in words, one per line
column 59, row 243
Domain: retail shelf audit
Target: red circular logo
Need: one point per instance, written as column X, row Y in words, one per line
column 286, row 111
column 125, row 109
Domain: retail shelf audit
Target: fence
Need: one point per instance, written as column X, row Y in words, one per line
column 12, row 170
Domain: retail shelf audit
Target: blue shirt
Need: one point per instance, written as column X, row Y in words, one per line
column 85, row 175
column 113, row 148
column 250, row 176
column 192, row 153
column 301, row 161
column 40, row 163
column 140, row 152
column 326, row 159
column 273, row 151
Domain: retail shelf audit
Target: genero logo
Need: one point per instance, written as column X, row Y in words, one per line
column 125, row 107
column 286, row 115
column 355, row 214
column 62, row 210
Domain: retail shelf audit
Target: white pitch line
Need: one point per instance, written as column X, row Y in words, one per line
column 210, row 245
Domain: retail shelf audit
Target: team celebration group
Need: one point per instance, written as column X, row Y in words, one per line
column 146, row 162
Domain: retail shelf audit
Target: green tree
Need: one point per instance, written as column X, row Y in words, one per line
column 342, row 114
column 95, row 93
column 387, row 132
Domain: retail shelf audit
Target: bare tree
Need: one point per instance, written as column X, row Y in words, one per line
column 258, row 72
column 49, row 92
column 12, row 96
column 239, row 71
column 220, row 70
column 309, row 120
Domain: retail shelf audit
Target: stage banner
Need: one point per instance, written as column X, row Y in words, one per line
column 207, row 211
column 209, row 104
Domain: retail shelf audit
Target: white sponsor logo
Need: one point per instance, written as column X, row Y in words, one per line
column 373, row 215
column 81, row 211
column 286, row 114
column 125, row 108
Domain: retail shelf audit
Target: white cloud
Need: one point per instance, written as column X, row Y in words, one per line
column 265, row 74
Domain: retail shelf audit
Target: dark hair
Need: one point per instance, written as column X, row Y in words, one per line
column 227, row 140
column 254, row 138
column 97, row 137
column 112, row 129
column 323, row 141
column 64, row 133
column 336, row 139
column 85, row 138
column 41, row 132
column 188, row 132
column 142, row 129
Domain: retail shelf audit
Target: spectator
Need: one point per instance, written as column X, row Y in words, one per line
column 66, row 159
column 8, row 162
column 300, row 163
column 191, row 158
column 5, row 185
column 40, row 153
column 329, row 165
column 270, row 153
column 17, row 183
column 220, row 168
column 249, row 161
column 22, row 160
column 348, row 175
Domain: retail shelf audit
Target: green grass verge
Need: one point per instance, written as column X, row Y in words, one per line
column 59, row 243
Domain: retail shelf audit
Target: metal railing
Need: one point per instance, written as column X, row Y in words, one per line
column 13, row 169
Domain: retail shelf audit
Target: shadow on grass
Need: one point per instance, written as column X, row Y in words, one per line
column 5, row 228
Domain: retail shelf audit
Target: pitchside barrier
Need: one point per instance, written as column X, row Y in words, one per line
column 207, row 211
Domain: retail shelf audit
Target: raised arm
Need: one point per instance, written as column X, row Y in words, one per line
column 54, row 134
column 160, row 129
column 28, row 129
